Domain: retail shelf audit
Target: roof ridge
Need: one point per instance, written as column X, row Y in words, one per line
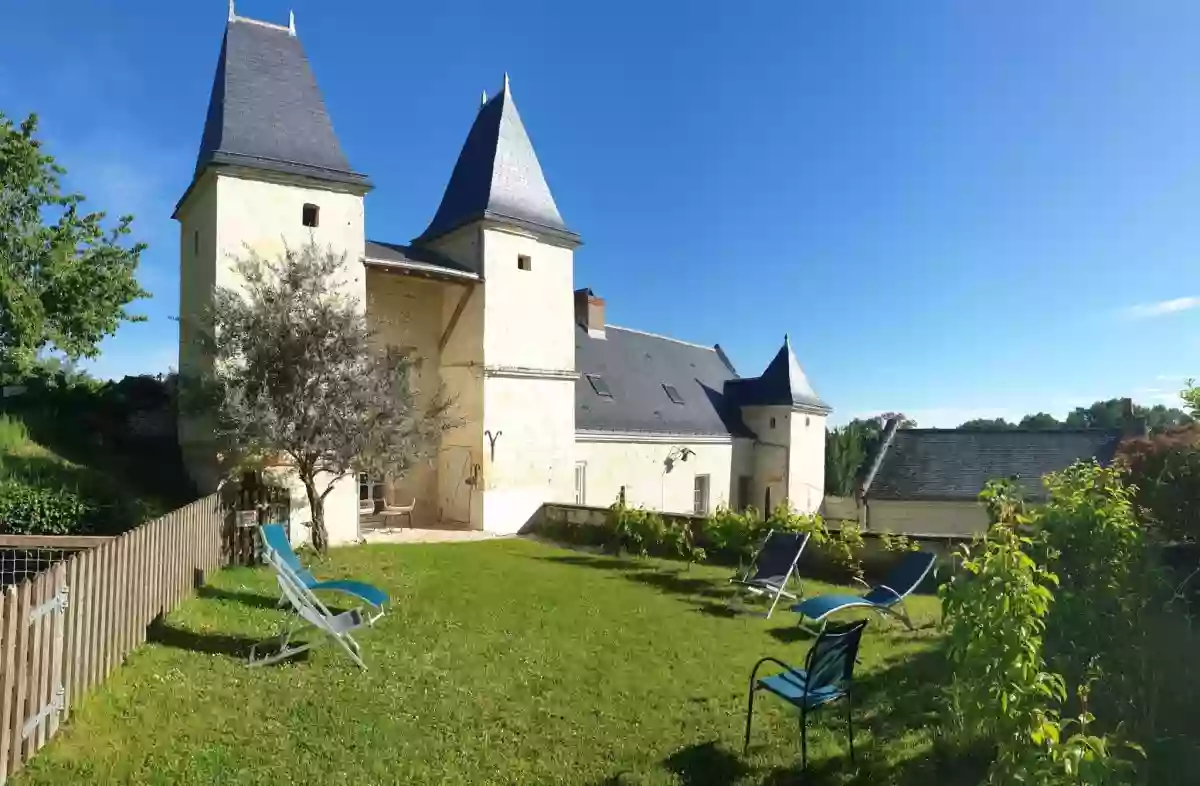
column 1108, row 431
column 659, row 335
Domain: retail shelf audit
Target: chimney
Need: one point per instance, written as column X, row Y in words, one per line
column 1132, row 426
column 589, row 312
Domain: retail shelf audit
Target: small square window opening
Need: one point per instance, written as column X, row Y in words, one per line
column 524, row 262
column 311, row 216
column 673, row 393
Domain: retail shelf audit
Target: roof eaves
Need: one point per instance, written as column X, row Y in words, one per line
column 564, row 237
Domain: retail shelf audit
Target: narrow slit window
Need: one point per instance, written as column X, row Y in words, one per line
column 524, row 262
column 311, row 216
column 673, row 393
column 599, row 385
column 196, row 242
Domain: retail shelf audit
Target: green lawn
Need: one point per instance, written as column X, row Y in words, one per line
column 504, row 662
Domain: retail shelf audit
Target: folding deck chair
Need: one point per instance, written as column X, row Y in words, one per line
column 274, row 538
column 310, row 612
column 886, row 598
column 773, row 566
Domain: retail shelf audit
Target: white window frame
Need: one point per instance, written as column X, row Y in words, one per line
column 368, row 485
column 580, row 482
column 701, row 490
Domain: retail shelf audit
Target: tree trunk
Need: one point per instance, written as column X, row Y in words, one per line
column 316, row 506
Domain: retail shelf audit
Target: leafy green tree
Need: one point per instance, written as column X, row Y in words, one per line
column 1110, row 414
column 1191, row 398
column 986, row 424
column 846, row 451
column 1042, row 421
column 65, row 281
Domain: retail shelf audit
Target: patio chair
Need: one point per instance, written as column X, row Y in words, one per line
column 827, row 676
column 309, row 612
column 274, row 538
column 773, row 567
column 394, row 511
column 885, row 598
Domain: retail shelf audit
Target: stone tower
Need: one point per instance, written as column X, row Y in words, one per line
column 510, row 364
column 270, row 172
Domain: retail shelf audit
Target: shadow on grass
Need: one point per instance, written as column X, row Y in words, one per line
column 167, row 635
column 706, row 763
column 676, row 584
column 251, row 599
column 589, row 561
column 792, row 634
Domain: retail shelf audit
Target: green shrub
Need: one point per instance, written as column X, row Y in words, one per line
column 734, row 536
column 646, row 533
column 27, row 510
column 13, row 433
column 998, row 608
column 842, row 546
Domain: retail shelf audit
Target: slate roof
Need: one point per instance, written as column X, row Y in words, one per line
column 783, row 382
column 416, row 259
column 498, row 176
column 635, row 365
column 266, row 111
column 949, row 464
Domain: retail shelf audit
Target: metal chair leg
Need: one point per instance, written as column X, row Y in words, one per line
column 803, row 741
column 850, row 723
column 749, row 718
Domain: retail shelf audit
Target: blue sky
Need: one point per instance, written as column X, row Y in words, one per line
column 955, row 210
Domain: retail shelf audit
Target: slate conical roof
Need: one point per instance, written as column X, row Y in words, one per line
column 497, row 176
column 266, row 111
column 783, row 383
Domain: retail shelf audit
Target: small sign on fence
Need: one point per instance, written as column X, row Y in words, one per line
column 247, row 519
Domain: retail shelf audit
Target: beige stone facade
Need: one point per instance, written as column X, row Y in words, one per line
column 487, row 297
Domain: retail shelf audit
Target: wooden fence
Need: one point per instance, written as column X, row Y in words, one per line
column 63, row 631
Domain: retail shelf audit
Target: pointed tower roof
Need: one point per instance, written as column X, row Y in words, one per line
column 497, row 176
column 266, row 111
column 783, row 382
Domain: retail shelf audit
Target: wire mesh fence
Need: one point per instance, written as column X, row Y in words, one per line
column 18, row 564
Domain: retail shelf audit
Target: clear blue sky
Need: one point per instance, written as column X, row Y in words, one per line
column 954, row 209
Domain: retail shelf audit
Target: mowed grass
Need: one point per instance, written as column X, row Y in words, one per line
column 502, row 662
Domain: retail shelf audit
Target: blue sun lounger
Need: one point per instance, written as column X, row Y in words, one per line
column 885, row 598
column 275, row 538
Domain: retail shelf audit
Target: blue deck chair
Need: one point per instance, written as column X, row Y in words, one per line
column 773, row 566
column 308, row 613
column 275, row 539
column 885, row 598
column 827, row 676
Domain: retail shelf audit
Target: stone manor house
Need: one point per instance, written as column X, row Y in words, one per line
column 556, row 405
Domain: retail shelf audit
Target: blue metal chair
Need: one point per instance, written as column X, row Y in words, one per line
column 827, row 676
column 275, row 538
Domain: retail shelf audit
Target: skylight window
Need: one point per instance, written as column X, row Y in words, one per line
column 673, row 393
column 600, row 386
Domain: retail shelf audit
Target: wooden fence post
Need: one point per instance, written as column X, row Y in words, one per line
column 21, row 682
column 8, row 665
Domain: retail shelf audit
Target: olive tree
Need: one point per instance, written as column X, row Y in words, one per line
column 298, row 374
